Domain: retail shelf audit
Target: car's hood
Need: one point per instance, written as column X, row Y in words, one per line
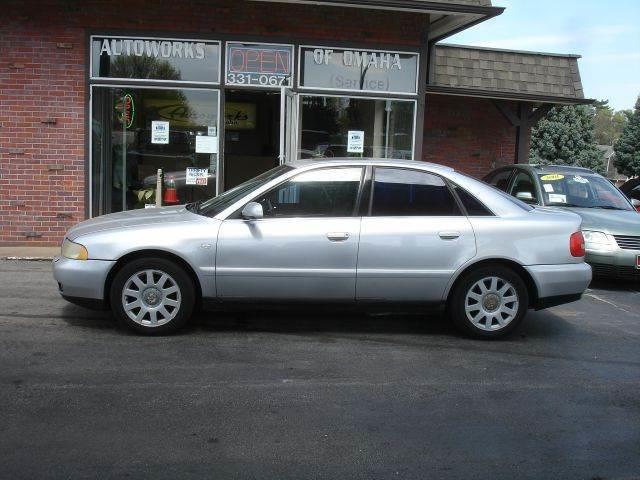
column 132, row 218
column 614, row 222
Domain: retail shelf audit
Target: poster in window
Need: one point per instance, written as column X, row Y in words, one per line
column 159, row 132
column 355, row 141
column 239, row 116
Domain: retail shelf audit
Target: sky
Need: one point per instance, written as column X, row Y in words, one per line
column 605, row 32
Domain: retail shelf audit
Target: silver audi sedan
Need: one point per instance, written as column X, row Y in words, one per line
column 346, row 231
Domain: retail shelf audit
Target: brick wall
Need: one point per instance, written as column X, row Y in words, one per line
column 43, row 95
column 469, row 134
column 42, row 100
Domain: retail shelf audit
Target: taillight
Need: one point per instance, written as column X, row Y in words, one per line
column 576, row 244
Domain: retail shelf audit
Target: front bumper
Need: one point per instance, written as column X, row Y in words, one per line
column 558, row 284
column 81, row 278
column 618, row 263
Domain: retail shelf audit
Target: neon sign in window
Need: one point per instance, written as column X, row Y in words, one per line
column 259, row 64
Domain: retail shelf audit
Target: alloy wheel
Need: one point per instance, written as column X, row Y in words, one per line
column 151, row 298
column 491, row 303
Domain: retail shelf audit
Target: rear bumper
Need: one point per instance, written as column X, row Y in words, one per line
column 558, row 284
column 81, row 278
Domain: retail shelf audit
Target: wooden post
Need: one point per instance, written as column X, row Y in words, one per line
column 523, row 119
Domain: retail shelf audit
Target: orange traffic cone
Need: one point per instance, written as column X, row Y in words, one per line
column 170, row 193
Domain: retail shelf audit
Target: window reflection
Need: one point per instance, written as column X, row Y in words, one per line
column 326, row 121
column 155, row 59
column 125, row 156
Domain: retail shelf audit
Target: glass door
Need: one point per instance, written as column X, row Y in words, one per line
column 138, row 130
column 288, row 126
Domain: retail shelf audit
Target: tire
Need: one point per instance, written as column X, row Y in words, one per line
column 152, row 296
column 494, row 317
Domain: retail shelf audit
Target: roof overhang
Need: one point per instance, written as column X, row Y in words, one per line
column 515, row 96
column 445, row 19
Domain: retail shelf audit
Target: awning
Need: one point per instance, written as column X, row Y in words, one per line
column 446, row 17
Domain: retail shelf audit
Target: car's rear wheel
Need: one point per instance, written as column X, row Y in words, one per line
column 489, row 302
column 153, row 296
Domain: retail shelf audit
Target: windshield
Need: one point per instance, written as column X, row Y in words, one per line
column 583, row 191
column 215, row 205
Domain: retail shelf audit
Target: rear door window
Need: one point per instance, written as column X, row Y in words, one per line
column 406, row 192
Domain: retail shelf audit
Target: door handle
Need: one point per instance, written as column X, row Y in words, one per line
column 449, row 235
column 338, row 236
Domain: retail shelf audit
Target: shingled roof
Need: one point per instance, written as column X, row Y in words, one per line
column 507, row 74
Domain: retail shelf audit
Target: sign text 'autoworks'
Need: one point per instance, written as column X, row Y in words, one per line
column 153, row 48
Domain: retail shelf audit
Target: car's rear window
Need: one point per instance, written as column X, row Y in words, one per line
column 473, row 206
column 506, row 196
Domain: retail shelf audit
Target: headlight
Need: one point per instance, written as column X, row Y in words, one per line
column 74, row 251
column 597, row 240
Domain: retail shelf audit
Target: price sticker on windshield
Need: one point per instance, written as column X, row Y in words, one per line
column 551, row 177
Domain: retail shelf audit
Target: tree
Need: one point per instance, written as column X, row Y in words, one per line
column 627, row 148
column 565, row 136
column 608, row 123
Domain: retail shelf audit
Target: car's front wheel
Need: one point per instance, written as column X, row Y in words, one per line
column 153, row 296
column 489, row 302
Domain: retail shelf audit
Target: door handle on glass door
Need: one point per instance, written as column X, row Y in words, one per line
column 337, row 236
column 449, row 235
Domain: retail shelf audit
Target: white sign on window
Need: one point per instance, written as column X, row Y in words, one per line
column 197, row 176
column 159, row 132
column 206, row 144
column 355, row 141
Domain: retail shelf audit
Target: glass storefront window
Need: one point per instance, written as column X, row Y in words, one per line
column 362, row 70
column 155, row 59
column 136, row 131
column 326, row 123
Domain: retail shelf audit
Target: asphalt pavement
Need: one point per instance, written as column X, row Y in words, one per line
column 279, row 395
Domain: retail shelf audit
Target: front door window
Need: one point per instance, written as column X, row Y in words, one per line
column 330, row 192
column 524, row 188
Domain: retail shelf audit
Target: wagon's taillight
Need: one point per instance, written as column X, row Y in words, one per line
column 576, row 244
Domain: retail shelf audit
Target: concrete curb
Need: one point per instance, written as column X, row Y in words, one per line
column 29, row 259
column 29, row 253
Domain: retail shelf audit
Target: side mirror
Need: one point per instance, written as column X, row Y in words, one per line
column 525, row 197
column 636, row 204
column 252, row 211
